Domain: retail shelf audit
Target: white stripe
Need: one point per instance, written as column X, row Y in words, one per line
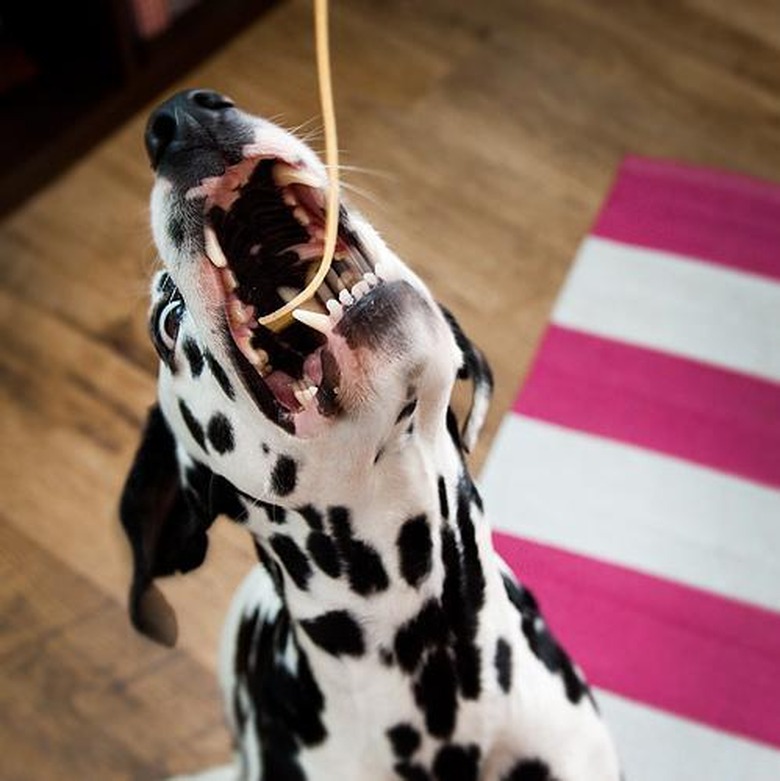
column 656, row 746
column 675, row 304
column 634, row 507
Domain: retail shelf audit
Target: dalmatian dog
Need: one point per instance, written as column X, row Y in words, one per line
column 380, row 636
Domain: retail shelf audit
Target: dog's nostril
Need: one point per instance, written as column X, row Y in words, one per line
column 160, row 132
column 164, row 128
column 211, row 101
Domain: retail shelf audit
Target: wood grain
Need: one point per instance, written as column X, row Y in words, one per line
column 491, row 132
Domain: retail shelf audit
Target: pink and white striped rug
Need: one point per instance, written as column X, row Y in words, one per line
column 635, row 485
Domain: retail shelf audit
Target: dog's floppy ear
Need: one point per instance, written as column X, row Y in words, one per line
column 475, row 368
column 166, row 522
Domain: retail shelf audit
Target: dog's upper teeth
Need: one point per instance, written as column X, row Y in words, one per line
column 240, row 313
column 229, row 280
column 258, row 358
column 286, row 174
column 213, row 250
column 314, row 320
column 301, row 215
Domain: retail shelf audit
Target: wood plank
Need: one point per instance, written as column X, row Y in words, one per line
column 79, row 687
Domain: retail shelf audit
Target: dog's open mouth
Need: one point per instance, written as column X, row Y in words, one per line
column 264, row 233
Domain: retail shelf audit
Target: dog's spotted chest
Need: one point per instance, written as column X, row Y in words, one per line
column 431, row 586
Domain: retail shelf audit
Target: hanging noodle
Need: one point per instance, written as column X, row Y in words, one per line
column 332, row 163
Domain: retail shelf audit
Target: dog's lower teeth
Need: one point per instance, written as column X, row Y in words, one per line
column 360, row 289
column 304, row 395
column 314, row 320
column 335, row 309
column 346, row 298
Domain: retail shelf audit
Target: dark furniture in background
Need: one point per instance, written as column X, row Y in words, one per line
column 71, row 71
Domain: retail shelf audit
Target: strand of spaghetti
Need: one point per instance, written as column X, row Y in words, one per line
column 331, row 163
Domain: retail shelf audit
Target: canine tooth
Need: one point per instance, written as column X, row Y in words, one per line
column 213, row 250
column 335, row 309
column 289, row 198
column 314, row 320
column 286, row 174
column 286, row 293
column 305, row 395
column 360, row 289
column 346, row 298
column 301, row 215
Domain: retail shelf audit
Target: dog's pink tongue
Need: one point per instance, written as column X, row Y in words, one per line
column 280, row 384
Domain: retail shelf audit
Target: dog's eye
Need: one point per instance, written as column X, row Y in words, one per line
column 168, row 323
column 165, row 320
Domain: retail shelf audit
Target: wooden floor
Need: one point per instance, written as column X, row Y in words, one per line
column 492, row 130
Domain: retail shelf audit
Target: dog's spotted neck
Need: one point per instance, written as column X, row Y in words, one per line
column 410, row 549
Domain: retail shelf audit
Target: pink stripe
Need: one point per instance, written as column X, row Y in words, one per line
column 679, row 649
column 724, row 218
column 718, row 418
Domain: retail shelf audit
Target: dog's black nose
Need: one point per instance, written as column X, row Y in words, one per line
column 176, row 121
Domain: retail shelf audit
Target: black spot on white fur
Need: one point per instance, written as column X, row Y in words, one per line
column 293, row 559
column 220, row 376
column 436, row 693
column 425, row 630
column 176, row 232
column 411, row 771
column 287, row 704
column 325, row 554
column 336, row 633
column 444, row 505
column 415, row 550
column 529, row 770
column 313, row 517
column 193, row 355
column 457, row 763
column 404, row 739
column 193, row 424
column 364, row 567
column 503, row 664
column 284, row 477
column 220, row 433
column 542, row 643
